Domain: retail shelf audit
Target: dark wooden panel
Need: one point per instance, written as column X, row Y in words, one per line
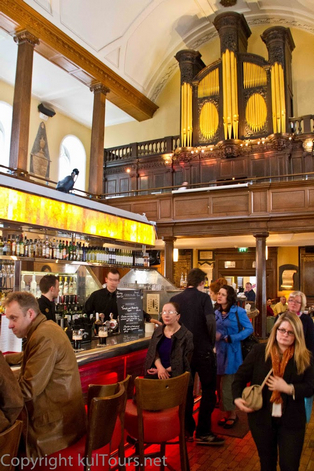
column 194, row 173
column 297, row 164
column 230, row 203
column 124, row 185
column 311, row 199
column 208, row 171
column 165, row 209
column 111, row 186
column 226, row 169
column 258, row 167
column 239, row 168
column 159, row 181
column 187, row 208
column 149, row 208
column 280, row 199
column 178, row 177
column 259, row 201
column 307, row 274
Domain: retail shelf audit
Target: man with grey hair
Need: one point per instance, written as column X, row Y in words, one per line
column 49, row 379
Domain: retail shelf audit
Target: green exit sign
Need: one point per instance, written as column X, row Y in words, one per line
column 243, row 249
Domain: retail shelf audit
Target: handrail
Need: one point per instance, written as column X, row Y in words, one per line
column 232, row 183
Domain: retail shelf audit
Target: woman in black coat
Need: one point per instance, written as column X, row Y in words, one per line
column 280, row 424
column 171, row 347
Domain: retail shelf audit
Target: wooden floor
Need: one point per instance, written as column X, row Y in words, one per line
column 236, row 454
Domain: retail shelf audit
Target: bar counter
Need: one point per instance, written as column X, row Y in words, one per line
column 123, row 354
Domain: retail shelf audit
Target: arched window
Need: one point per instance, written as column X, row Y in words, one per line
column 5, row 132
column 72, row 155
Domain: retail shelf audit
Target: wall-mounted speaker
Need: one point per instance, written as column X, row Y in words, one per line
column 46, row 109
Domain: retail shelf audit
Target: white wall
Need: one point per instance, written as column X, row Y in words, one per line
column 57, row 128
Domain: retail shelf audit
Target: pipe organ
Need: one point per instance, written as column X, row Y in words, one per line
column 240, row 95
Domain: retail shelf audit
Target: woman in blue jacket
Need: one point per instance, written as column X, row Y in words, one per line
column 228, row 348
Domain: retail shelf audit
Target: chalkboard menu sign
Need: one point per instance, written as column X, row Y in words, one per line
column 130, row 311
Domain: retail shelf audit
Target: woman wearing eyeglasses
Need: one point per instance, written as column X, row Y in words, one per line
column 296, row 304
column 279, row 426
column 171, row 346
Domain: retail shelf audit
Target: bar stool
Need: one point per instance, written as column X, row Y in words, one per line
column 91, row 452
column 157, row 416
column 9, row 443
column 97, row 390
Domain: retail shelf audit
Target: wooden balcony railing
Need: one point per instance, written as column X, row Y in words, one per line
column 135, row 150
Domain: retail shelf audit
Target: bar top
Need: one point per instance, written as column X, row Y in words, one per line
column 116, row 345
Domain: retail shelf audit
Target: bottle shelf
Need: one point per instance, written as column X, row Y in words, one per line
column 64, row 261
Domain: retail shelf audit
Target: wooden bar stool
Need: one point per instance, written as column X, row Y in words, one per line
column 9, row 444
column 157, row 416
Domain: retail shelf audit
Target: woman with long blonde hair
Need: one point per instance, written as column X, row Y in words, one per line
column 279, row 426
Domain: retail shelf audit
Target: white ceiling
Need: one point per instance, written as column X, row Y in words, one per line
column 138, row 40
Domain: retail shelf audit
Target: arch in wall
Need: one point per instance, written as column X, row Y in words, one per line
column 72, row 155
column 5, row 132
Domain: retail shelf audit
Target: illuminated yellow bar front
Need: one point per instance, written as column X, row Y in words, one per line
column 37, row 210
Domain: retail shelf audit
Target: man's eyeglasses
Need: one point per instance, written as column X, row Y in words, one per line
column 292, row 300
column 288, row 332
column 169, row 312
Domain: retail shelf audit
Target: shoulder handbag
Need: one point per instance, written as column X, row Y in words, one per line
column 248, row 343
column 253, row 395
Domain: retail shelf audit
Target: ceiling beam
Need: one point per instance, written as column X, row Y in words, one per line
column 60, row 49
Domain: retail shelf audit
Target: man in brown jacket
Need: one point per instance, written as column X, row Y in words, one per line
column 11, row 399
column 49, row 379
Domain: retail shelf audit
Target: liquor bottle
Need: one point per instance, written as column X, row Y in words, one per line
column 71, row 286
column 97, row 324
column 47, row 248
column 185, row 280
column 23, row 283
column 65, row 286
column 13, row 245
column 84, row 253
column 22, row 246
column 60, row 287
column 53, row 249
column 1, row 246
column 8, row 245
column 26, row 247
column 74, row 286
column 62, row 250
column 34, row 285
column 5, row 246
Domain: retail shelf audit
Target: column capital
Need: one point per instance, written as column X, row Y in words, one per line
column 261, row 235
column 25, row 36
column 99, row 88
column 169, row 238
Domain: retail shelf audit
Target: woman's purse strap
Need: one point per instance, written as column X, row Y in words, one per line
column 266, row 378
column 238, row 320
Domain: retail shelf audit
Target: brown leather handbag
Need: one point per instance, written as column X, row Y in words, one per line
column 253, row 395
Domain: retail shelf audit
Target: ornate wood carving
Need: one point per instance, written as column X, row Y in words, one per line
column 190, row 64
column 228, row 3
column 275, row 39
column 233, row 31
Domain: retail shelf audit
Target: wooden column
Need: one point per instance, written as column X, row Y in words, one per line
column 22, row 101
column 96, row 172
column 261, row 282
column 169, row 243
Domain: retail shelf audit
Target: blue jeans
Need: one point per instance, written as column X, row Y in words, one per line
column 205, row 365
